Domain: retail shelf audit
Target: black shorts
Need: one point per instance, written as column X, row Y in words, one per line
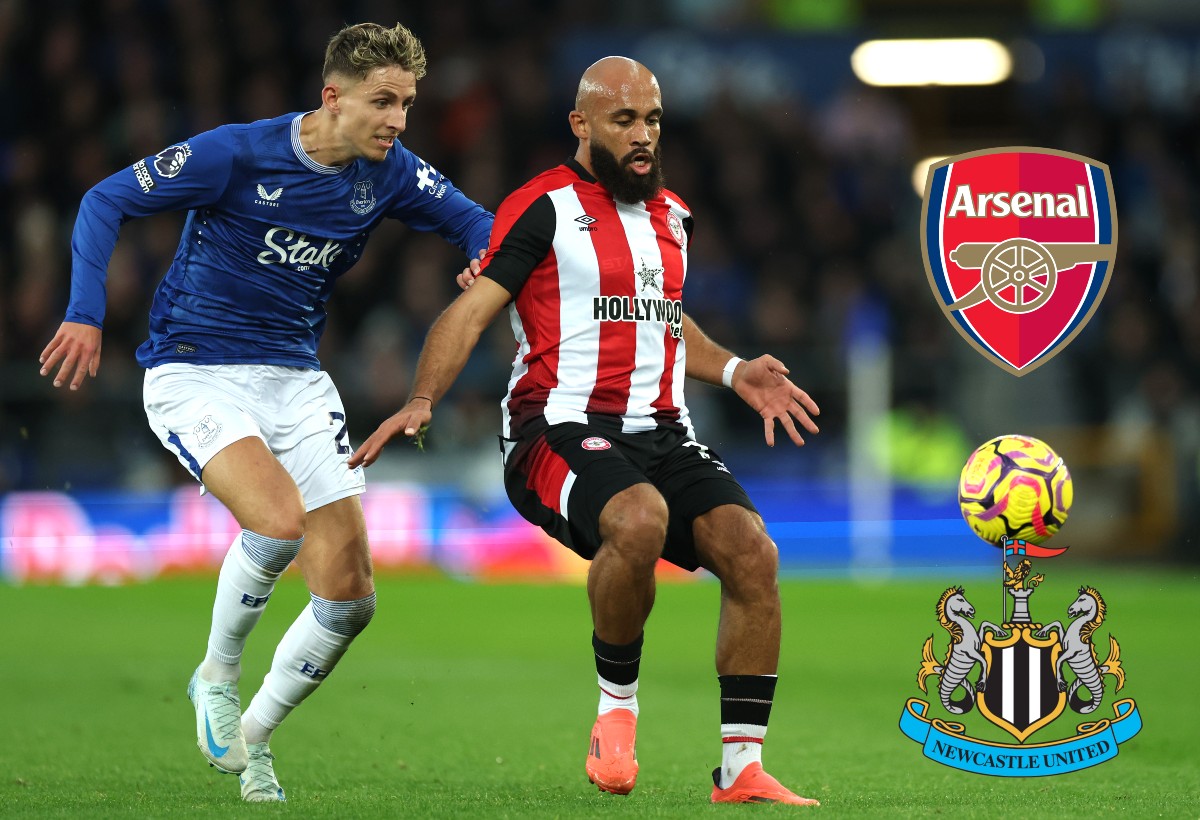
column 561, row 479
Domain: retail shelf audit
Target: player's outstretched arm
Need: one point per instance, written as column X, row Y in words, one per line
column 448, row 345
column 75, row 351
column 762, row 383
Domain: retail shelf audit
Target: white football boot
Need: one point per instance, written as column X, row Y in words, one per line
column 258, row 781
column 219, row 724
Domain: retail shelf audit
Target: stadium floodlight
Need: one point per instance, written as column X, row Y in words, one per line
column 966, row 61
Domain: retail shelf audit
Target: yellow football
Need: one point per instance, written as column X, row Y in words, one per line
column 1015, row 486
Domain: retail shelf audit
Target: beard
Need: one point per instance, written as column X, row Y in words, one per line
column 620, row 180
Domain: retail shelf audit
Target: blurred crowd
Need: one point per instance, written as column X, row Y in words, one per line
column 806, row 231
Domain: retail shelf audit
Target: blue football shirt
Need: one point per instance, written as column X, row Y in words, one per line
column 267, row 234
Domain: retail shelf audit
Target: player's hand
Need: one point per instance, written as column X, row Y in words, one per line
column 763, row 384
column 471, row 271
column 409, row 421
column 75, row 351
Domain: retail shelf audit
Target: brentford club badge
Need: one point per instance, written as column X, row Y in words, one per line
column 676, row 228
column 596, row 443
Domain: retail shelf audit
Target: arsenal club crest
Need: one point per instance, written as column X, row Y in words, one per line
column 1028, row 675
column 1019, row 245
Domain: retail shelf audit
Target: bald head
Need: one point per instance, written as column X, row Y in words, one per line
column 613, row 78
column 617, row 115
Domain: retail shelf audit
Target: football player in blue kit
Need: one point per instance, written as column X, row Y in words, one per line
column 277, row 211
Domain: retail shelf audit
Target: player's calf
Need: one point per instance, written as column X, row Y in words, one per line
column 251, row 567
column 310, row 649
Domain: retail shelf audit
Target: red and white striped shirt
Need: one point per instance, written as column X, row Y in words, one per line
column 596, row 310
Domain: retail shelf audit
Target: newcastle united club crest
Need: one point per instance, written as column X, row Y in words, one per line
column 1021, row 675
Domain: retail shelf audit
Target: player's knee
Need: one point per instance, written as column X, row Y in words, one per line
column 344, row 584
column 284, row 521
column 637, row 548
column 634, row 524
column 760, row 562
column 736, row 548
column 752, row 574
column 346, row 618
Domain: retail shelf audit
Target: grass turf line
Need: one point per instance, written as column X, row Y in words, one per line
column 476, row 700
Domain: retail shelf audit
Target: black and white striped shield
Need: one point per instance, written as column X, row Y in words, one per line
column 1021, row 692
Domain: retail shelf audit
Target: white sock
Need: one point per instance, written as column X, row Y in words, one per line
column 617, row 696
column 741, row 745
column 248, row 575
column 305, row 656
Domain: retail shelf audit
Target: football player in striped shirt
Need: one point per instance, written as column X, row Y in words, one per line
column 599, row 450
column 277, row 211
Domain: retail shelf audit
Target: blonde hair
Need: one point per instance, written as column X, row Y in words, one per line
column 357, row 49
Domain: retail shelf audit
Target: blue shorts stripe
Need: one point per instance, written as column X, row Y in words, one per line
column 193, row 465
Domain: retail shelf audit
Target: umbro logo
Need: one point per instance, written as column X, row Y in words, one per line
column 585, row 222
column 268, row 198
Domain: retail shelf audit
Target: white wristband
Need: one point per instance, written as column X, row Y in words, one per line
column 727, row 373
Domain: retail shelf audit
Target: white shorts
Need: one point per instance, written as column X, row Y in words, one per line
column 198, row 410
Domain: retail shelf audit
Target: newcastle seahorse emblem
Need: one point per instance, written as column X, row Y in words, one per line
column 1079, row 653
column 954, row 612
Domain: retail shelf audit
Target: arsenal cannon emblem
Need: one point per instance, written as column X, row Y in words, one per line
column 1019, row 245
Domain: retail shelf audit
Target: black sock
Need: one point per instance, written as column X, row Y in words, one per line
column 746, row 699
column 618, row 662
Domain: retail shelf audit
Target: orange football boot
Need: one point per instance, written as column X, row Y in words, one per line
column 612, row 762
column 754, row 785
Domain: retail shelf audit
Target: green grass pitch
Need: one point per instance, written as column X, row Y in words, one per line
column 475, row 700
